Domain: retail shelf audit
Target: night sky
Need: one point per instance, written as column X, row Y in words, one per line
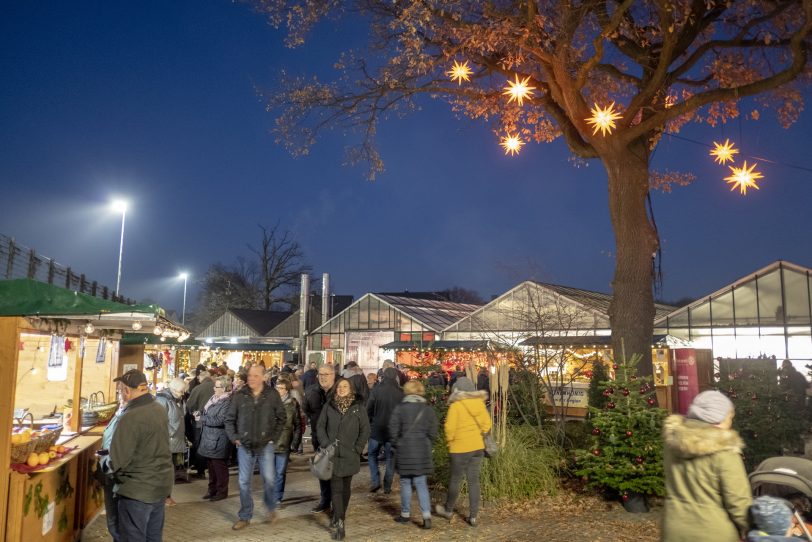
column 155, row 102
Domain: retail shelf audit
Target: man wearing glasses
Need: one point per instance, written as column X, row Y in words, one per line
column 314, row 400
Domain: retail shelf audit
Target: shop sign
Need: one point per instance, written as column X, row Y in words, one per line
column 573, row 395
column 687, row 381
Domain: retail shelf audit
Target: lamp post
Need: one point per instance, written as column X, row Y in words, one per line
column 185, row 277
column 121, row 207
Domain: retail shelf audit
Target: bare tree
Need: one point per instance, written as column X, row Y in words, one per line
column 646, row 67
column 280, row 262
column 225, row 288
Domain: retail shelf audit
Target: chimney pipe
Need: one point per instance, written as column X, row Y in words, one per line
column 325, row 297
column 304, row 298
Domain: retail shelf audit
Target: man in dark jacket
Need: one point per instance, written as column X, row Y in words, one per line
column 141, row 461
column 194, row 406
column 254, row 421
column 382, row 401
column 314, row 400
column 310, row 377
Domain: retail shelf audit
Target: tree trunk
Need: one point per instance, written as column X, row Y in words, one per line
column 631, row 312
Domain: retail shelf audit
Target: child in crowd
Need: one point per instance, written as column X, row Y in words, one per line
column 773, row 520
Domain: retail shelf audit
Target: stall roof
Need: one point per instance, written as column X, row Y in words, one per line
column 151, row 338
column 436, row 315
column 596, row 340
column 250, row 347
column 436, row 345
column 25, row 297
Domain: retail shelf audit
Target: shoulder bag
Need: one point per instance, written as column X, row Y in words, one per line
column 321, row 464
column 491, row 446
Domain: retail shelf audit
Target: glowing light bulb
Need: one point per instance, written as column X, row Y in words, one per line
column 743, row 178
column 512, row 144
column 603, row 119
column 723, row 152
column 137, row 325
column 89, row 328
column 460, row 72
column 518, row 90
column 157, row 330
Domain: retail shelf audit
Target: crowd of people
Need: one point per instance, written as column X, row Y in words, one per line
column 256, row 418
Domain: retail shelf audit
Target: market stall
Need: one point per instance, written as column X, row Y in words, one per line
column 236, row 354
column 164, row 358
column 59, row 353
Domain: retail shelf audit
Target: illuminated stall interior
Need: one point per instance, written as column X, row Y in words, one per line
column 164, row 357
column 236, row 354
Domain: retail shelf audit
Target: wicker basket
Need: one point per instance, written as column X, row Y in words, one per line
column 20, row 452
column 46, row 439
column 105, row 412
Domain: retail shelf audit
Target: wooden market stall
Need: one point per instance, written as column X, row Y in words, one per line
column 162, row 358
column 57, row 348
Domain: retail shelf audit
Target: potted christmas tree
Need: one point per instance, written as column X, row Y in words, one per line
column 626, row 452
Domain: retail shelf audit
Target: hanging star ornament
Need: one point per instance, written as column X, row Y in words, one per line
column 603, row 119
column 723, row 152
column 743, row 178
column 460, row 72
column 518, row 90
column 512, row 144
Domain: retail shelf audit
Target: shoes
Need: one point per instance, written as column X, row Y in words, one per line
column 401, row 519
column 271, row 518
column 320, row 508
column 472, row 522
column 442, row 512
column 241, row 524
column 373, row 489
column 170, row 502
column 217, row 498
column 338, row 530
column 426, row 524
column 207, row 496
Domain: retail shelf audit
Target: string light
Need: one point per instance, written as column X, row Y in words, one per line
column 512, row 144
column 723, row 152
column 518, row 90
column 743, row 178
column 603, row 119
column 460, row 72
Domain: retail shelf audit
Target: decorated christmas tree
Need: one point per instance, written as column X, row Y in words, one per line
column 626, row 453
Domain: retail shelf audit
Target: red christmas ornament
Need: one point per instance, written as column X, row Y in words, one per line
column 610, row 390
column 638, row 460
column 596, row 452
column 610, row 405
column 643, row 390
column 625, row 392
column 615, row 366
column 625, row 497
column 629, row 433
column 596, row 431
column 651, row 402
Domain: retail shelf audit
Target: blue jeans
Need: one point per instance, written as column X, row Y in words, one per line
column 281, row 465
column 372, row 456
column 140, row 521
column 247, row 460
column 422, row 487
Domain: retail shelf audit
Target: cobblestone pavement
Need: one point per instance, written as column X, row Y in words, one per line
column 370, row 517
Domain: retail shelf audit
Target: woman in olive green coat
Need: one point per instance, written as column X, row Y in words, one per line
column 707, row 493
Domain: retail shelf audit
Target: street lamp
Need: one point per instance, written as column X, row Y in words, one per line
column 120, row 206
column 185, row 277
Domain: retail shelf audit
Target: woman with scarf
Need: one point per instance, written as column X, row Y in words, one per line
column 290, row 437
column 465, row 423
column 214, row 444
column 343, row 419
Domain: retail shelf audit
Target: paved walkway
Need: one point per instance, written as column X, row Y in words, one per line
column 370, row 517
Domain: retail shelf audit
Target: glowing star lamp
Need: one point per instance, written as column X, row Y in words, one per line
column 518, row 90
column 512, row 144
column 723, row 152
column 603, row 119
column 743, row 178
column 460, row 72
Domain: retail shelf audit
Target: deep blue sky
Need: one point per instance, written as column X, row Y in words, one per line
column 155, row 101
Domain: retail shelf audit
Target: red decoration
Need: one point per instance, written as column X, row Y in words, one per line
column 596, row 452
column 596, row 431
column 610, row 405
column 625, row 497
column 615, row 366
column 625, row 392
column 651, row 402
column 629, row 433
column 638, row 460
column 68, row 345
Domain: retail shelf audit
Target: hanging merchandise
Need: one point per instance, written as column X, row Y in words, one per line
column 57, row 359
column 101, row 350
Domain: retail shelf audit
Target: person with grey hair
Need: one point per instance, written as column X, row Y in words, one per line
column 707, row 493
column 194, row 406
column 314, row 401
column 171, row 398
column 214, row 444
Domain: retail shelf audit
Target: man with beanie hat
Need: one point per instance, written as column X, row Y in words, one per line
column 772, row 518
column 707, row 493
column 382, row 402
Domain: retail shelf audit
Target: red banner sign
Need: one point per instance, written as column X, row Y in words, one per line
column 687, row 381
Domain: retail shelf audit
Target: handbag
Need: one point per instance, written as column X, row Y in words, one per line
column 491, row 446
column 321, row 464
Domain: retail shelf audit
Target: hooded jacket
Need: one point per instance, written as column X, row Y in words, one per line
column 413, row 429
column 706, row 486
column 175, row 412
column 466, row 421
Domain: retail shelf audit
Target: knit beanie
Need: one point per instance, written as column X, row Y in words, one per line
column 710, row 407
column 771, row 515
column 464, row 383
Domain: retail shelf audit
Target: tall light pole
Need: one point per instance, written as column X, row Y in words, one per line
column 121, row 207
column 185, row 277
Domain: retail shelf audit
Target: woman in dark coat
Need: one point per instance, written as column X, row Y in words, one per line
column 291, row 435
column 413, row 430
column 343, row 419
column 214, row 444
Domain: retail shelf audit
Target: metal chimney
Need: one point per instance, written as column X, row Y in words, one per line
column 304, row 297
column 325, row 297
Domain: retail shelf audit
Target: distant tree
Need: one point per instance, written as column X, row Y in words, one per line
column 462, row 295
column 223, row 288
column 609, row 77
column 280, row 264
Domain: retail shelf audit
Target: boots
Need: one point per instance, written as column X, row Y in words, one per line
column 338, row 530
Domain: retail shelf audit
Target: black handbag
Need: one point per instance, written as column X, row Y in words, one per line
column 321, row 464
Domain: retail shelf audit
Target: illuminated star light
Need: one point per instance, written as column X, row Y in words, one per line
column 519, row 90
column 723, row 152
column 512, row 144
column 743, row 178
column 460, row 72
column 603, row 119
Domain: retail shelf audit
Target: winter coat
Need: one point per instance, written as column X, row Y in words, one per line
column 175, row 412
column 139, row 452
column 291, row 434
column 214, row 442
column 382, row 401
column 413, row 436
column 314, row 401
column 359, row 386
column 351, row 429
column 466, row 421
column 707, row 493
column 310, row 377
column 200, row 396
column 255, row 421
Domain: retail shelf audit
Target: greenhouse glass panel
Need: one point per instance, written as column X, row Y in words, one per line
column 797, row 297
column 374, row 314
column 744, row 298
column 722, row 310
column 700, row 316
column 770, row 304
column 363, row 313
column 799, row 343
column 679, row 320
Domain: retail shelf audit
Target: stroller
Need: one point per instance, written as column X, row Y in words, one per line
column 782, row 476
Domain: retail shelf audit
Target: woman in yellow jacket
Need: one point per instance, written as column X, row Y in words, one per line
column 466, row 421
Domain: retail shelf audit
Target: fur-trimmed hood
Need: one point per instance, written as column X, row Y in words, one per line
column 458, row 395
column 693, row 438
